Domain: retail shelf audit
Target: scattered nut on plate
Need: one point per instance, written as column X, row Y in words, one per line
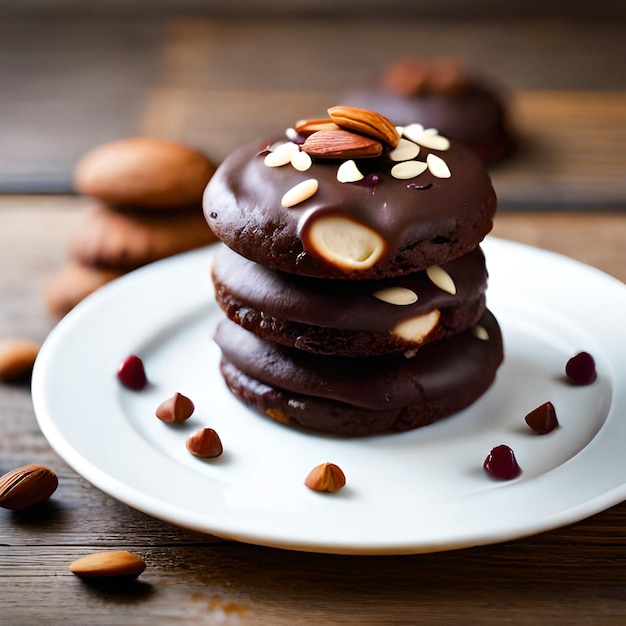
column 205, row 443
column 325, row 477
column 178, row 408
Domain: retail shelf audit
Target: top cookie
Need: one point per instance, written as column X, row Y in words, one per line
column 349, row 197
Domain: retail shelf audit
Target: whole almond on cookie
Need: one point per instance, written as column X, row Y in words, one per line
column 27, row 486
column 144, row 172
column 114, row 563
column 365, row 122
column 341, row 144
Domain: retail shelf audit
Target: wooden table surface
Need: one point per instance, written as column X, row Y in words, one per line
column 572, row 575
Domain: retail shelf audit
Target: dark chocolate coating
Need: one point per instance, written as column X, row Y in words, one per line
column 437, row 221
column 475, row 116
column 341, row 316
column 353, row 397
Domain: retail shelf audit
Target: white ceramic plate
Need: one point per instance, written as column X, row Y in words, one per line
column 420, row 491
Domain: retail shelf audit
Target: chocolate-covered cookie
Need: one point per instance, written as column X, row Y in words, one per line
column 352, row 318
column 355, row 397
column 442, row 94
column 351, row 198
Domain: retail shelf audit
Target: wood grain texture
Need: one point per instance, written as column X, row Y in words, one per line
column 573, row 575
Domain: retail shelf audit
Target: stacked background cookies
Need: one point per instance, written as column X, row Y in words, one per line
column 146, row 205
column 352, row 278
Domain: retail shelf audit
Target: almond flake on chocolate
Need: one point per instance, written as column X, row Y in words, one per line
column 437, row 166
column 400, row 296
column 281, row 154
column 301, row 192
column 348, row 172
column 441, row 279
column 408, row 169
column 404, row 151
column 480, row 332
column 413, row 131
column 301, row 161
column 417, row 328
column 433, row 140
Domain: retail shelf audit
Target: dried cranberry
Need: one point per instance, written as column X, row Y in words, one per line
column 542, row 419
column 132, row 374
column 581, row 369
column 501, row 463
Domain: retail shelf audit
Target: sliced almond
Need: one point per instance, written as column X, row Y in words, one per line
column 416, row 329
column 281, row 155
column 396, row 295
column 439, row 277
column 437, row 166
column 480, row 332
column 404, row 151
column 366, row 122
column 348, row 172
column 341, row 144
column 408, row 169
column 301, row 161
column 413, row 131
column 342, row 242
column 434, row 141
column 300, row 192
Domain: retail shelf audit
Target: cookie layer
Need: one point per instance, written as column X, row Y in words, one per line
column 108, row 238
column 351, row 318
column 392, row 226
column 354, row 397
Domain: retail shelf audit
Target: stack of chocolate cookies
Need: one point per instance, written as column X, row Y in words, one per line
column 351, row 277
column 146, row 206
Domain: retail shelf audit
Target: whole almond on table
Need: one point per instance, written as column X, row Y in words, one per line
column 17, row 357
column 27, row 486
column 111, row 564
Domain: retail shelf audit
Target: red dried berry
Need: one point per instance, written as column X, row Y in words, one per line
column 581, row 369
column 543, row 419
column 132, row 374
column 501, row 463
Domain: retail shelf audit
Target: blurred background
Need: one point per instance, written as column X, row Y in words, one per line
column 215, row 74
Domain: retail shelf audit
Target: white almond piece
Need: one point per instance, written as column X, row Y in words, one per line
column 437, row 166
column 404, row 151
column 342, row 242
column 417, row 328
column 408, row 169
column 396, row 295
column 480, row 332
column 413, row 131
column 301, row 161
column 281, row 155
column 301, row 192
column 439, row 277
column 434, row 141
column 291, row 134
column 348, row 172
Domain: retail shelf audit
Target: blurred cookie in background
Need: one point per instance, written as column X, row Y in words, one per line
column 441, row 93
